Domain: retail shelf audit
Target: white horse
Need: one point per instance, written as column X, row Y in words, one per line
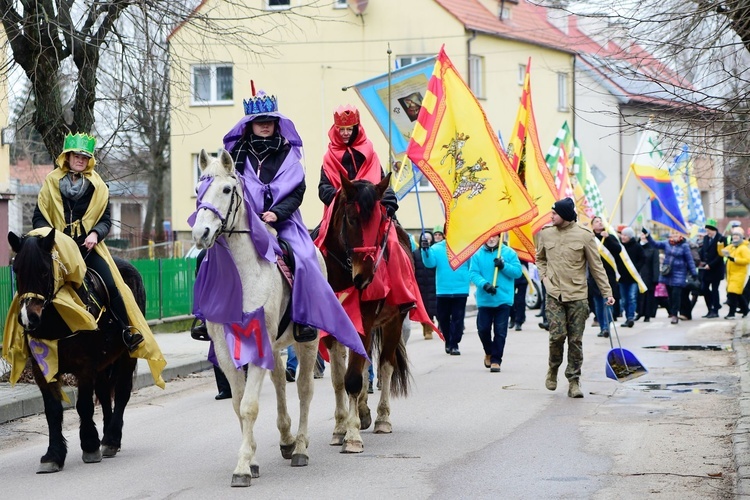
column 262, row 285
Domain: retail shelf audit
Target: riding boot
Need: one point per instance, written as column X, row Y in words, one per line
column 130, row 339
column 304, row 333
column 198, row 330
column 120, row 313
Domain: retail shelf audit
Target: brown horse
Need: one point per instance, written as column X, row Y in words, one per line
column 98, row 359
column 351, row 263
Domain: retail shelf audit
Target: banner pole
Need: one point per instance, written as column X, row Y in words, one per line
column 622, row 191
column 391, row 159
column 499, row 247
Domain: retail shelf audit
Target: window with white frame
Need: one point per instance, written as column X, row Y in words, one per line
column 476, row 75
column 278, row 4
column 212, row 84
column 521, row 73
column 402, row 61
column 562, row 91
column 197, row 169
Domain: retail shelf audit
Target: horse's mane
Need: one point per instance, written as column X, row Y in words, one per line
column 32, row 264
column 366, row 198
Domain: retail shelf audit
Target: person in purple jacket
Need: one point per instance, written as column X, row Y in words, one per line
column 495, row 296
column 678, row 263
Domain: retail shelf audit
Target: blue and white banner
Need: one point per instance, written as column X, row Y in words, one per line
column 408, row 86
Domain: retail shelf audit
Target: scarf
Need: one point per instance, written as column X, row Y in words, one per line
column 73, row 186
column 264, row 146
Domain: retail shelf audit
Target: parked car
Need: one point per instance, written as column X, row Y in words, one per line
column 534, row 291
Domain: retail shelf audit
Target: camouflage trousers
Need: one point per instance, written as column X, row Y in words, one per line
column 566, row 320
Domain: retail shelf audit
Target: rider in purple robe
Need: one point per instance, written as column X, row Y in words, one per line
column 267, row 152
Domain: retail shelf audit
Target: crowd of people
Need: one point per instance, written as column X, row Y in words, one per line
column 582, row 270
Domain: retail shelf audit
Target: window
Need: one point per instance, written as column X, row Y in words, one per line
column 521, row 73
column 197, row 169
column 279, row 4
column 476, row 75
column 562, row 91
column 402, row 61
column 340, row 4
column 212, row 84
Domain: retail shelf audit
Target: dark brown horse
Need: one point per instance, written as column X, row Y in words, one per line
column 352, row 258
column 98, row 359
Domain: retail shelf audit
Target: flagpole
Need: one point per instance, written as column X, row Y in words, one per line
column 639, row 211
column 416, row 192
column 499, row 247
column 622, row 191
column 390, row 111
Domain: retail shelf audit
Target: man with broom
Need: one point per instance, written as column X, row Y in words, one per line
column 563, row 251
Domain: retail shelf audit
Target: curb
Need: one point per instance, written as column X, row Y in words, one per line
column 26, row 399
column 741, row 434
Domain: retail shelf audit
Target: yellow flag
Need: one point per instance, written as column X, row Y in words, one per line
column 526, row 158
column 455, row 147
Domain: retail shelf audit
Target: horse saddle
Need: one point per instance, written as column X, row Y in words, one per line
column 286, row 261
column 94, row 294
column 287, row 266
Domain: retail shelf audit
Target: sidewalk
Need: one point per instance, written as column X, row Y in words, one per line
column 183, row 354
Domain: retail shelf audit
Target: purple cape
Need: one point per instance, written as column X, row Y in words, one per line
column 313, row 300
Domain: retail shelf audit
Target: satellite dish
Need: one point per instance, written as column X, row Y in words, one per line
column 358, row 6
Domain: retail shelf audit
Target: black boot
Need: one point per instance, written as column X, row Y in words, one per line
column 131, row 340
column 304, row 333
column 199, row 331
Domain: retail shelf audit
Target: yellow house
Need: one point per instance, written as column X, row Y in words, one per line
column 308, row 59
column 6, row 137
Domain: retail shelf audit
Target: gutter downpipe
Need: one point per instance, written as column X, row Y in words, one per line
column 622, row 181
column 468, row 56
column 575, row 115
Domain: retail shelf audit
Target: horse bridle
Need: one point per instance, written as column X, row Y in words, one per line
column 234, row 207
column 51, row 292
column 367, row 250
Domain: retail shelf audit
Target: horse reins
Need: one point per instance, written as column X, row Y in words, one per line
column 368, row 251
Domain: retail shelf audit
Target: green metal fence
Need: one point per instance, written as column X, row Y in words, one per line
column 169, row 286
column 168, row 283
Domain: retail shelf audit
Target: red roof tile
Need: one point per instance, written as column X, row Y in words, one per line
column 28, row 174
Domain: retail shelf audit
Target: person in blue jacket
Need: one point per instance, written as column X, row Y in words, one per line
column 451, row 290
column 494, row 297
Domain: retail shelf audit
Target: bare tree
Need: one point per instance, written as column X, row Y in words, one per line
column 704, row 49
column 105, row 63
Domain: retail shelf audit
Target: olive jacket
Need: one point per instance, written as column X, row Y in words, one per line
column 562, row 254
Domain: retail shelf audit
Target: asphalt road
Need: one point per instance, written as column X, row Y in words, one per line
column 462, row 432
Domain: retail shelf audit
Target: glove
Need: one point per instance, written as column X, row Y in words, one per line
column 489, row 289
column 390, row 212
column 499, row 263
column 644, row 230
column 424, row 243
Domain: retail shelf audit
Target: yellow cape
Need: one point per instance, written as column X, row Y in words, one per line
column 50, row 204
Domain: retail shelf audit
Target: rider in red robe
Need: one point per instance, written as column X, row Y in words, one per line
column 351, row 153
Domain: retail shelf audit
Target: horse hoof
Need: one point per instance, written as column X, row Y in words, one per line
column 299, row 460
column 92, row 457
column 383, row 428
column 109, row 451
column 240, row 480
column 353, row 447
column 255, row 471
column 337, row 440
column 48, row 467
column 287, row 450
column 365, row 421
